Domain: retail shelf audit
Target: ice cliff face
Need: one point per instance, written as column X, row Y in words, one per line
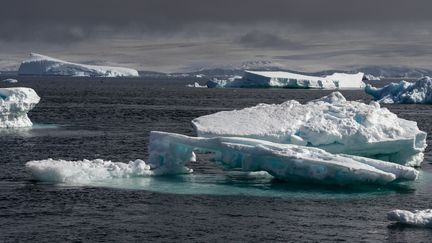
column 330, row 123
column 15, row 103
column 403, row 92
column 280, row 79
column 43, row 65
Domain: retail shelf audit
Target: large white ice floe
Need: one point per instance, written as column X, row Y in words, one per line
column 170, row 153
column 84, row 171
column 403, row 92
column 331, row 123
column 283, row 79
column 15, row 103
column 43, row 65
column 421, row 218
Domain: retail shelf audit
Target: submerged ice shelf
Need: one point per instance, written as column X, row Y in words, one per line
column 43, row 65
column 420, row 218
column 419, row 92
column 15, row 103
column 331, row 123
column 280, row 79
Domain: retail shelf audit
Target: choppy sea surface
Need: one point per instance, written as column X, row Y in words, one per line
column 82, row 118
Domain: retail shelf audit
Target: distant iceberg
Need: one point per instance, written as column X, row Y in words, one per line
column 170, row 153
column 280, row 79
column 420, row 218
column 403, row 92
column 371, row 77
column 331, row 123
column 10, row 80
column 15, row 103
column 43, row 65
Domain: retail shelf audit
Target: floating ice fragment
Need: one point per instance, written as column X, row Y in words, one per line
column 15, row 103
column 421, row 218
column 403, row 92
column 331, row 123
column 10, row 80
column 43, row 65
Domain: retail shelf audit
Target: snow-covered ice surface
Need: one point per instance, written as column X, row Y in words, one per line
column 84, row 171
column 169, row 154
column 43, row 65
column 15, row 103
column 419, row 92
column 283, row 79
column 331, row 123
column 371, row 77
column 10, row 80
column 420, row 218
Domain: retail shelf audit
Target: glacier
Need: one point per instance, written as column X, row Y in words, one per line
column 419, row 92
column 39, row 64
column 15, row 103
column 170, row 152
column 282, row 79
column 330, row 123
column 84, row 171
column 420, row 218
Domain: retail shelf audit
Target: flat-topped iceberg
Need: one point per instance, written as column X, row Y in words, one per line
column 43, row 65
column 170, row 153
column 331, row 123
column 281, row 79
column 83, row 171
column 403, row 92
column 15, row 103
column 420, row 218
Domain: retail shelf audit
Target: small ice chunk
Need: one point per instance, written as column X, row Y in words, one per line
column 371, row 77
column 331, row 123
column 421, row 218
column 403, row 92
column 43, row 65
column 15, row 103
column 84, row 171
column 10, row 80
column 196, row 85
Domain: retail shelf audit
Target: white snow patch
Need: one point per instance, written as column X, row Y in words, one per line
column 169, row 154
column 282, row 79
column 84, row 171
column 15, row 103
column 403, row 92
column 43, row 65
column 421, row 218
column 331, row 123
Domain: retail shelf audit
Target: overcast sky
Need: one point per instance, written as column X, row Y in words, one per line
column 185, row 35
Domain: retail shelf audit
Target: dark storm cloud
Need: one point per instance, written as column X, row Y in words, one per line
column 73, row 20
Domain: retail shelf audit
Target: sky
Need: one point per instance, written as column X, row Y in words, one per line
column 188, row 35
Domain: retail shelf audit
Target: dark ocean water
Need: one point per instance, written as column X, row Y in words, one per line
column 81, row 118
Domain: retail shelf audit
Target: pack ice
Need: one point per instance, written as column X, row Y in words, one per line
column 403, row 92
column 169, row 153
column 331, row 123
column 15, row 103
column 280, row 79
column 421, row 218
column 43, row 65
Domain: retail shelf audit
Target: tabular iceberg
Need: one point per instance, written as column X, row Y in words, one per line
column 421, row 218
column 43, row 65
column 281, row 79
column 83, row 171
column 15, row 103
column 169, row 153
column 403, row 92
column 331, row 123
